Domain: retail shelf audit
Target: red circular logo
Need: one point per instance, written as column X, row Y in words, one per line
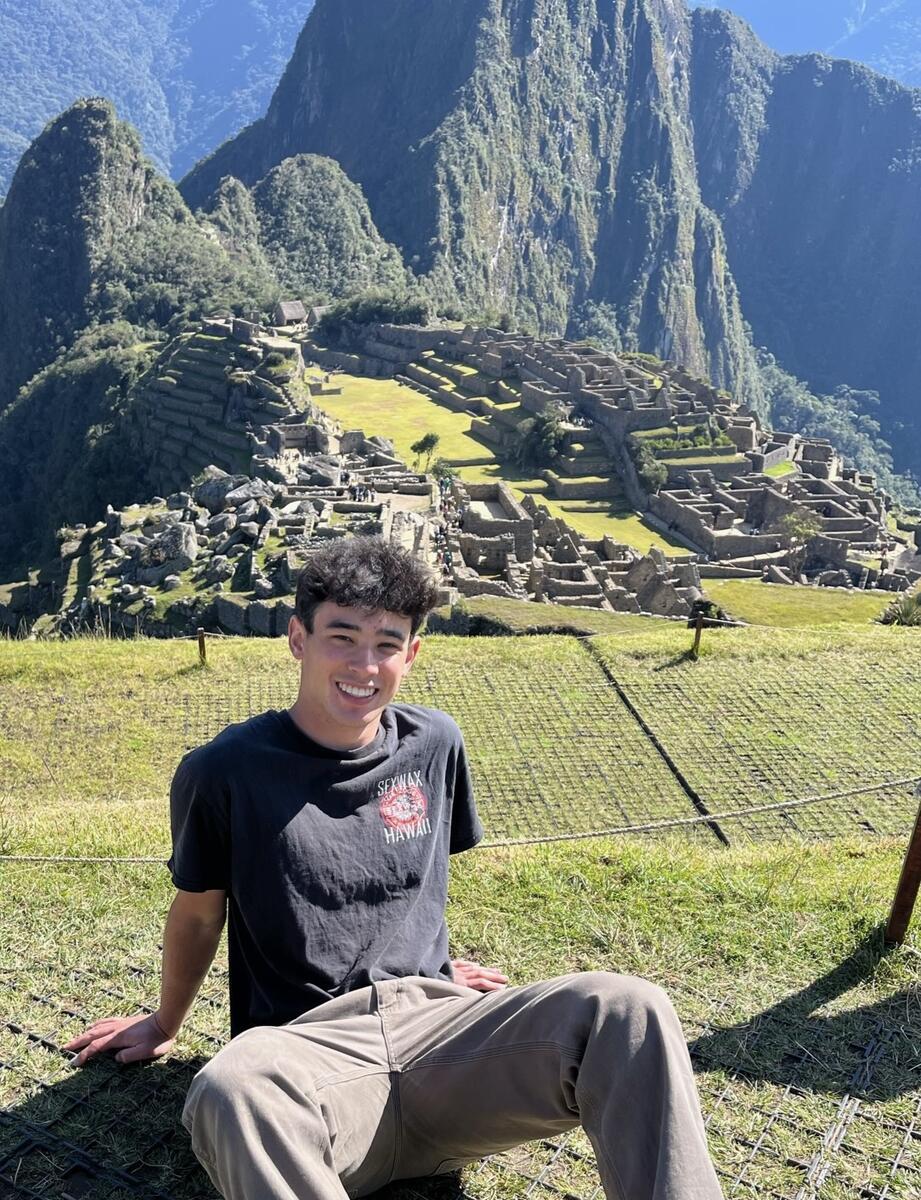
column 403, row 807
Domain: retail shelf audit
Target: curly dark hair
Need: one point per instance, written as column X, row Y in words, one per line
column 369, row 574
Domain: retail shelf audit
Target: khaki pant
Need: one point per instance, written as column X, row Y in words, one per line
column 416, row 1077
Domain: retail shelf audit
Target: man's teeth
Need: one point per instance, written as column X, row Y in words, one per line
column 359, row 692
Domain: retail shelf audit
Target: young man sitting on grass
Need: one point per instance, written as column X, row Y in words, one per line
column 361, row 1053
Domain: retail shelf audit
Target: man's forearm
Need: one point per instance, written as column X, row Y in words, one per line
column 189, row 947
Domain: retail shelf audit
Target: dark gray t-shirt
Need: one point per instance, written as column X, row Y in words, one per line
column 335, row 862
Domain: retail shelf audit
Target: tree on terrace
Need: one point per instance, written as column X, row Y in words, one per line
column 424, row 448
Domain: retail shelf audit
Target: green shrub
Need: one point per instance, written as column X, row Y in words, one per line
column 374, row 308
column 540, row 441
column 906, row 610
column 651, row 473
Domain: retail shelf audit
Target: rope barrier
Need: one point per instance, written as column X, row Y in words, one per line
column 613, row 831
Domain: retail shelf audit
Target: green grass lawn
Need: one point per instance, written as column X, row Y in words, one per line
column 661, row 431
column 767, row 715
column 801, row 1028
column 780, row 605
column 596, row 519
column 703, row 460
column 386, row 408
column 781, row 469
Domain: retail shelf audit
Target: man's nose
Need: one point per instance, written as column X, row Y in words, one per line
column 363, row 658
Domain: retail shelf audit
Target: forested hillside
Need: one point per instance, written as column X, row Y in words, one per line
column 623, row 170
column 186, row 73
column 90, row 233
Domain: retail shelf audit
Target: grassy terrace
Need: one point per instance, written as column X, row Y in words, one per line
column 782, row 469
column 803, row 1032
column 799, row 1027
column 381, row 406
column 780, row 605
column 702, row 460
column 90, row 730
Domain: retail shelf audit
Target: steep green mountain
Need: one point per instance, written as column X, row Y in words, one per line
column 882, row 34
column 528, row 156
column 312, row 225
column 90, row 232
column 63, row 448
column 814, row 168
column 625, row 163
column 186, row 73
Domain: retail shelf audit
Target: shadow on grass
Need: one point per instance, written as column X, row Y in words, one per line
column 870, row 1052
column 676, row 660
column 99, row 1131
column 106, row 1130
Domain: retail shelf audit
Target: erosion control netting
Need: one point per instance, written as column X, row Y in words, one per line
column 591, row 740
column 784, row 728
column 803, row 1101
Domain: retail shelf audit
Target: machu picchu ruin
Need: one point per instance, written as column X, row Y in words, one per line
column 246, row 472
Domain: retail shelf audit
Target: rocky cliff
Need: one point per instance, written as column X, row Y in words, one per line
column 814, row 168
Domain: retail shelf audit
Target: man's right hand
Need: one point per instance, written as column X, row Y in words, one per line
column 135, row 1039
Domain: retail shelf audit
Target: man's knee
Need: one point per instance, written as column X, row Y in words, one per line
column 622, row 998
column 225, row 1085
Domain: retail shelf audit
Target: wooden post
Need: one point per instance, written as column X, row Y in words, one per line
column 202, row 648
column 698, row 630
column 909, row 881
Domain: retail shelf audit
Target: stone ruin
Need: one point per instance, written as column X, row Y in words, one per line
column 720, row 500
column 224, row 551
column 520, row 551
column 242, row 400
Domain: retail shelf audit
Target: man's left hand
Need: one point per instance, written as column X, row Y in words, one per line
column 481, row 979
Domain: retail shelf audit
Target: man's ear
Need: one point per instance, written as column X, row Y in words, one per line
column 411, row 654
column 297, row 637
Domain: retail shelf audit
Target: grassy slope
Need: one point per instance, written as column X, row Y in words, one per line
column 768, row 953
column 769, row 715
column 781, row 605
column 90, row 730
column 771, row 953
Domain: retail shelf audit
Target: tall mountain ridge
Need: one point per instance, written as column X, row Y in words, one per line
column 552, row 157
column 532, row 156
column 884, row 35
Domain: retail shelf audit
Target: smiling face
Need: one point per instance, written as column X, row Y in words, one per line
column 352, row 663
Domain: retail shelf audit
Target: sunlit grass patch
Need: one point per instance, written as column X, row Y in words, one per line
column 785, row 606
